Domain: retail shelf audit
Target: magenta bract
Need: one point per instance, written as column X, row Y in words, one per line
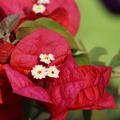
column 65, row 12
column 76, row 88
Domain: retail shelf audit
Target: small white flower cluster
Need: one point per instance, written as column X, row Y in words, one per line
column 40, row 7
column 46, row 58
column 40, row 72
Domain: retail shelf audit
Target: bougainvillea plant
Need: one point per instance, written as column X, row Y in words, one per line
column 40, row 61
column 64, row 12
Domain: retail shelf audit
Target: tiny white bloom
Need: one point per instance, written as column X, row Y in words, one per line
column 39, row 72
column 53, row 72
column 43, row 1
column 46, row 58
column 39, row 8
column 51, row 56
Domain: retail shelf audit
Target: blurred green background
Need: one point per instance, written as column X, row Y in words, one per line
column 100, row 28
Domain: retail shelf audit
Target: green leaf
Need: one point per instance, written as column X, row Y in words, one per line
column 95, row 55
column 24, row 31
column 115, row 62
column 30, row 26
column 82, row 59
column 115, row 82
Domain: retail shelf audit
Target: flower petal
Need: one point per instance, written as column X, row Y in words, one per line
column 67, row 15
column 11, row 112
column 61, row 116
column 24, row 87
column 2, row 75
column 43, row 41
column 66, row 88
column 106, row 102
column 87, row 97
column 16, row 6
column 7, row 96
column 94, row 75
column 54, row 4
column 65, row 12
column 5, row 51
column 96, row 79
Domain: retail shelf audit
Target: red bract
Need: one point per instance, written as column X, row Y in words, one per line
column 76, row 88
column 10, row 112
column 93, row 95
column 5, row 51
column 5, row 92
column 9, row 102
column 65, row 12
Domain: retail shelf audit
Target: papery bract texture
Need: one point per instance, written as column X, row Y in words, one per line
column 93, row 95
column 9, row 101
column 6, row 93
column 10, row 106
column 76, row 88
column 25, row 57
column 24, row 87
column 5, row 51
column 65, row 12
column 11, row 112
column 66, row 88
column 43, row 41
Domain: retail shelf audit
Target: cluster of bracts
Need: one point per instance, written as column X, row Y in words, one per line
column 41, row 66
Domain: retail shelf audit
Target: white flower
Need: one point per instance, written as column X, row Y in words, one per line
column 51, row 56
column 43, row 1
column 53, row 72
column 39, row 72
column 46, row 58
column 39, row 8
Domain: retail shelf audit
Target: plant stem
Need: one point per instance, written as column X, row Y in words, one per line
column 116, row 74
column 87, row 114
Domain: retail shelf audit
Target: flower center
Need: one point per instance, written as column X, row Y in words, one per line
column 52, row 72
column 39, row 72
column 40, row 7
column 47, row 57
